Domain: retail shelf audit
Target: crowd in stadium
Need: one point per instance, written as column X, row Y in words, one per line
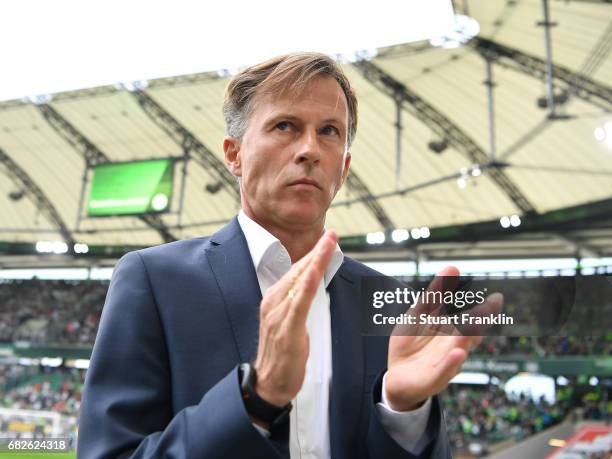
column 475, row 415
column 40, row 402
column 489, row 415
column 546, row 346
column 41, row 388
column 51, row 311
column 485, row 415
column 68, row 312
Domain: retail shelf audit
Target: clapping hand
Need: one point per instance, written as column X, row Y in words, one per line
column 419, row 367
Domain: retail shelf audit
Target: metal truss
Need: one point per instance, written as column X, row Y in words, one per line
column 598, row 54
column 444, row 128
column 189, row 142
column 586, row 1
column 10, row 104
column 93, row 156
column 356, row 185
column 21, row 179
column 86, row 93
column 582, row 86
column 185, row 80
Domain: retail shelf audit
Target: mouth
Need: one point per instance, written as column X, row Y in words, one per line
column 306, row 182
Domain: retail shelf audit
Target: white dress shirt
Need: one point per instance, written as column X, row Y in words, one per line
column 309, row 419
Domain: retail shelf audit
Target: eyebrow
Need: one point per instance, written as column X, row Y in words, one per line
column 286, row 116
column 290, row 117
column 333, row 120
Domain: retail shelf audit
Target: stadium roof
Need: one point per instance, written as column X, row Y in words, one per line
column 541, row 163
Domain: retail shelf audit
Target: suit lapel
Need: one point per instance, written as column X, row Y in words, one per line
column 347, row 362
column 232, row 266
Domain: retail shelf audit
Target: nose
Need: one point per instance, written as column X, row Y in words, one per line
column 308, row 148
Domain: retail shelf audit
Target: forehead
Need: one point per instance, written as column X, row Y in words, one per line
column 322, row 96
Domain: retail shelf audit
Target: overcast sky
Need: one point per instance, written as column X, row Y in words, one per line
column 52, row 46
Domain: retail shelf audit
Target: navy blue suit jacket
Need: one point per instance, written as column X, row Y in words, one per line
column 177, row 321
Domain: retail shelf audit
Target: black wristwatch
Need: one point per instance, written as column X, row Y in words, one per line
column 255, row 405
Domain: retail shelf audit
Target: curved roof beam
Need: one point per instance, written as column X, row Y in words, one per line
column 188, row 141
column 444, row 127
column 582, row 86
column 92, row 156
column 365, row 196
column 21, row 179
column 586, row 1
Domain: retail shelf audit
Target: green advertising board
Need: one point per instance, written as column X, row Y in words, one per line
column 132, row 188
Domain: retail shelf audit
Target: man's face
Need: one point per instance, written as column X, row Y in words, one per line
column 292, row 159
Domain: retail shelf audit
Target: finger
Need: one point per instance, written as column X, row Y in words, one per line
column 449, row 367
column 308, row 282
column 452, row 351
column 458, row 340
column 323, row 251
column 325, row 246
column 446, row 280
column 492, row 305
column 290, row 280
column 432, row 305
column 469, row 343
column 441, row 281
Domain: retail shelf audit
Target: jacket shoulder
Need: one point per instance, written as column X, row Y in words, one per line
column 359, row 269
column 175, row 248
column 171, row 256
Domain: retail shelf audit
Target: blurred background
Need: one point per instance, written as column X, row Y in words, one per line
column 484, row 142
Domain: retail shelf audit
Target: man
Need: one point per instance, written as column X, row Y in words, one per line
column 273, row 292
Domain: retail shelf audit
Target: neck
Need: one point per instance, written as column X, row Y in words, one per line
column 297, row 239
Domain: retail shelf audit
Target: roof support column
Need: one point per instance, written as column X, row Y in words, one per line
column 398, row 141
column 490, row 85
column 550, row 95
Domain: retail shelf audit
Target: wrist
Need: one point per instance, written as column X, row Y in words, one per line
column 405, row 406
column 262, row 412
column 267, row 388
column 398, row 402
column 270, row 396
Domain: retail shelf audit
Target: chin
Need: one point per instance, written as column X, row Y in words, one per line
column 304, row 214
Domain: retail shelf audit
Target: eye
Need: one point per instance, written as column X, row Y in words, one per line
column 329, row 129
column 283, row 126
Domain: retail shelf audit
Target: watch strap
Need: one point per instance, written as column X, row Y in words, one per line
column 255, row 405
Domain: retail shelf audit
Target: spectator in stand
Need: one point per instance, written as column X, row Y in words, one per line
column 51, row 312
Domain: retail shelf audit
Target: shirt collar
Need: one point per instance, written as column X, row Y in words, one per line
column 261, row 242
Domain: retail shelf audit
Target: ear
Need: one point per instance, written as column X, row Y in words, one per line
column 231, row 149
column 345, row 166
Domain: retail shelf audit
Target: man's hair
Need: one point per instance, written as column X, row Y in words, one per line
column 279, row 75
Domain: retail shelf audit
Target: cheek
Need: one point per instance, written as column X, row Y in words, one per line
column 259, row 175
column 336, row 178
